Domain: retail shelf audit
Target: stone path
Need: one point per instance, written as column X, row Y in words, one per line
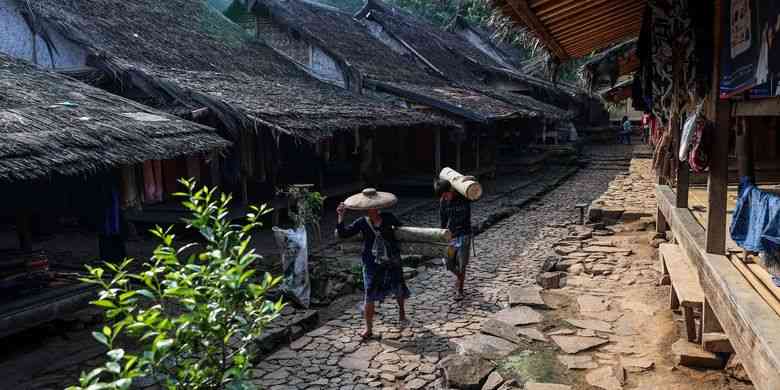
column 509, row 254
column 629, row 196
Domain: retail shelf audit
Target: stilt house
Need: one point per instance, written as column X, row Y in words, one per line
column 347, row 52
column 66, row 157
column 188, row 59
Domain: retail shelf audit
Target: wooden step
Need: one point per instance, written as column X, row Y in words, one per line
column 716, row 342
column 686, row 291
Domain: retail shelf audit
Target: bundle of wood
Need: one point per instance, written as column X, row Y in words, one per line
column 426, row 242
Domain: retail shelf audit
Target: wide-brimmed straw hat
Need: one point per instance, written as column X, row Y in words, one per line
column 370, row 198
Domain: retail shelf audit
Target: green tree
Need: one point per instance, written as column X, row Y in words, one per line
column 193, row 311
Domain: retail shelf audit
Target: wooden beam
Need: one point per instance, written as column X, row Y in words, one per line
column 744, row 148
column 588, row 43
column 717, row 182
column 554, row 14
column 745, row 317
column 527, row 16
column 759, row 107
column 600, row 29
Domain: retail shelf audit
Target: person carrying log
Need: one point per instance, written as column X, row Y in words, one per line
column 382, row 272
column 455, row 215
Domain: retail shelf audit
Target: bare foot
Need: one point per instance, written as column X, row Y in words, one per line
column 365, row 336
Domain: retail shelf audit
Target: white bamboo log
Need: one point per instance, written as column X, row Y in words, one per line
column 407, row 248
column 410, row 234
column 465, row 185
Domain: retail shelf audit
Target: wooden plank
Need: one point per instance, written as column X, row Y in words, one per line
column 766, row 279
column 758, row 107
column 529, row 18
column 685, row 281
column 716, row 342
column 709, row 323
column 744, row 149
column 746, row 318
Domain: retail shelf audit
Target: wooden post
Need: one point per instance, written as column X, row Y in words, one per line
column 683, row 171
column 437, row 151
column 717, row 181
column 744, row 149
column 709, row 323
column 458, row 150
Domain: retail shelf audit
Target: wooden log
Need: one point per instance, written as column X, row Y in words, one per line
column 407, row 248
column 410, row 234
column 465, row 185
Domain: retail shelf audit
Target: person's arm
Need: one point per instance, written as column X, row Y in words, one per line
column 347, row 231
column 444, row 214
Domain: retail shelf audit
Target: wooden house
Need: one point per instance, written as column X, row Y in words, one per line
column 690, row 53
column 66, row 153
column 188, row 59
column 353, row 54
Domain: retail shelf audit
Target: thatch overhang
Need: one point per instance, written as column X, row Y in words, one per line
column 606, row 67
column 619, row 92
column 185, row 55
column 349, row 42
column 573, row 28
column 457, row 59
column 55, row 125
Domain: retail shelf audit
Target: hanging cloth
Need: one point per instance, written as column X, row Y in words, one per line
column 153, row 186
column 130, row 197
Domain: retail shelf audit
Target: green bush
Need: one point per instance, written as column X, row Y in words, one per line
column 192, row 312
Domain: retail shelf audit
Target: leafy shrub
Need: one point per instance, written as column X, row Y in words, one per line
column 193, row 311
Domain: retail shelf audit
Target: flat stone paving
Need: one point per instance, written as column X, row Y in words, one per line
column 509, row 254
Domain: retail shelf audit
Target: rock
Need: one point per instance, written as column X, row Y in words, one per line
column 576, row 269
column 607, row 249
column 532, row 334
column 562, row 332
column 465, row 371
column 546, row 386
column 493, row 381
column 691, row 355
column 351, row 363
column 600, row 326
column 551, row 280
column 527, row 296
column 566, row 264
column 736, row 370
column 608, row 315
column 575, row 344
column 300, row 343
column 571, row 362
column 590, row 303
column 564, row 250
column 517, row 316
column 486, row 347
column 500, row 329
column 604, row 378
column 637, row 364
column 416, row 384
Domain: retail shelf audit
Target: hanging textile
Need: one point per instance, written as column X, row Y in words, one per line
column 699, row 158
column 130, row 197
column 153, row 184
column 755, row 225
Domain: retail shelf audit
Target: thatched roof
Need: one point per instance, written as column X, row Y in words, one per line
column 184, row 53
column 605, row 67
column 458, row 59
column 52, row 124
column 350, row 42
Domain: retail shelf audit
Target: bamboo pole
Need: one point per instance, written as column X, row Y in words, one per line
column 425, row 249
column 465, row 185
column 411, row 234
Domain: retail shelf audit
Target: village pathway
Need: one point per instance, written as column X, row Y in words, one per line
column 510, row 253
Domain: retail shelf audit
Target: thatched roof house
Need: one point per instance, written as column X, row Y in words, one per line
column 377, row 61
column 461, row 61
column 184, row 56
column 54, row 125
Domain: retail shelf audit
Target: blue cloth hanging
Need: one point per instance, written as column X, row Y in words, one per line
column 755, row 225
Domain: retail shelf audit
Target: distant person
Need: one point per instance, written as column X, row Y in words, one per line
column 455, row 214
column 382, row 272
column 625, row 132
column 646, row 128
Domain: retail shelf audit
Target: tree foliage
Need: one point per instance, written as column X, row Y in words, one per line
column 193, row 311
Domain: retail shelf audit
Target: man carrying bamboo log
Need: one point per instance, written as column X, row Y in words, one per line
column 382, row 272
column 455, row 214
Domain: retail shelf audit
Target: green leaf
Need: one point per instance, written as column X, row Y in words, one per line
column 104, row 304
column 113, row 367
column 107, row 331
column 116, row 354
column 93, row 374
column 123, row 383
column 101, row 338
column 163, row 344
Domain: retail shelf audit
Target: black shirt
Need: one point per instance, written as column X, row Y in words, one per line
column 456, row 215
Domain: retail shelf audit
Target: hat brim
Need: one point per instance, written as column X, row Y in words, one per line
column 381, row 200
